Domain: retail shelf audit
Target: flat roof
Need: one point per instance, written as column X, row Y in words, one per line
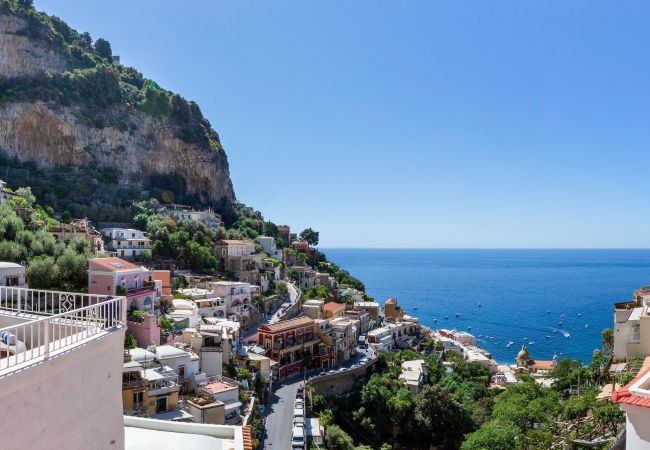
column 636, row 314
column 216, row 387
column 114, row 264
column 152, row 434
column 169, row 351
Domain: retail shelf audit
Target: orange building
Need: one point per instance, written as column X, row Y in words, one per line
column 391, row 310
column 333, row 310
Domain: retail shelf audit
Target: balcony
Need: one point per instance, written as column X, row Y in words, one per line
column 47, row 324
column 634, row 338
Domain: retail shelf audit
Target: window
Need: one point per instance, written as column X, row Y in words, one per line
column 181, row 372
column 138, row 399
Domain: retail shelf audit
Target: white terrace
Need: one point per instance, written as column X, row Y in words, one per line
column 47, row 324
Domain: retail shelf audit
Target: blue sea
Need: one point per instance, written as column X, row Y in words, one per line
column 537, row 297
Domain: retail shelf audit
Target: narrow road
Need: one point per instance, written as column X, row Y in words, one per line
column 251, row 335
column 279, row 422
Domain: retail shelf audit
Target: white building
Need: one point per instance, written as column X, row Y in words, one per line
column 208, row 217
column 224, row 390
column 12, row 274
column 233, row 247
column 185, row 363
column 127, row 242
column 414, row 375
column 381, row 339
column 236, row 295
column 268, row 245
column 63, row 384
column 208, row 303
column 634, row 400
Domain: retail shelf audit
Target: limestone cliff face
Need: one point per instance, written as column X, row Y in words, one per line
column 21, row 54
column 52, row 134
column 35, row 132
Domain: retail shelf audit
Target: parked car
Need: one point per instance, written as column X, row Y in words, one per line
column 364, row 361
column 298, row 437
column 299, row 404
column 298, row 412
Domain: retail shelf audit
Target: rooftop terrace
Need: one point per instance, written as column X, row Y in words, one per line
column 41, row 325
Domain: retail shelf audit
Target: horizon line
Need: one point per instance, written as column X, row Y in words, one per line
column 484, row 248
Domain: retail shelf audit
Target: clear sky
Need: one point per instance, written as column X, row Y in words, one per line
column 413, row 124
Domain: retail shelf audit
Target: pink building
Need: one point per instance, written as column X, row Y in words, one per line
column 115, row 276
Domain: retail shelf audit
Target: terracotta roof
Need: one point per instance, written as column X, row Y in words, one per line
column 216, row 387
column 624, row 395
column 333, row 306
column 541, row 364
column 288, row 324
column 391, row 301
column 114, row 264
column 248, row 437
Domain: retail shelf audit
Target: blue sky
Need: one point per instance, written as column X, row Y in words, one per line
column 413, row 124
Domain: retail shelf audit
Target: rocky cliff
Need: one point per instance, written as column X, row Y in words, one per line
column 22, row 54
column 121, row 120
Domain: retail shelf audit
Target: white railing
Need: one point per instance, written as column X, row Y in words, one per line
column 40, row 338
column 35, row 301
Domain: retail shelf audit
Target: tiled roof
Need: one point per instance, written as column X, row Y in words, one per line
column 288, row 324
column 114, row 264
column 248, row 437
column 391, row 301
column 624, row 395
column 333, row 306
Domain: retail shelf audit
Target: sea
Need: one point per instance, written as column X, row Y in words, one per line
column 555, row 301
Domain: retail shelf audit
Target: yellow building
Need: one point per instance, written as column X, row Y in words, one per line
column 147, row 392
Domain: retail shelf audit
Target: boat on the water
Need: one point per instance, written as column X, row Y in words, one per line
column 509, row 344
column 457, row 314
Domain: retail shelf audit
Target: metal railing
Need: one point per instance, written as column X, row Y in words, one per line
column 51, row 322
column 36, row 301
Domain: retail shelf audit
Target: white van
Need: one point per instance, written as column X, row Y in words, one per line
column 298, row 438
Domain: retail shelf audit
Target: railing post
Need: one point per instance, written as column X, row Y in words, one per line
column 46, row 338
column 123, row 310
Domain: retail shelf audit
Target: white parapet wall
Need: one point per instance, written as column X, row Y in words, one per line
column 70, row 401
column 151, row 434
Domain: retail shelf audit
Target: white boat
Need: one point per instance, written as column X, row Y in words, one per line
column 509, row 344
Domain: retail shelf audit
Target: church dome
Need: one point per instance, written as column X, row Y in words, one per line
column 523, row 354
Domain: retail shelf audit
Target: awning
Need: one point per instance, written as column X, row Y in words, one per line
column 231, row 406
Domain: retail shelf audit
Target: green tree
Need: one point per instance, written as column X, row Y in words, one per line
column 337, row 439
column 129, row 341
column 493, row 435
column 103, row 49
column 440, row 420
column 42, row 272
column 73, row 269
column 609, row 415
column 525, row 404
column 608, row 340
column 26, row 194
column 310, row 236
column 12, row 251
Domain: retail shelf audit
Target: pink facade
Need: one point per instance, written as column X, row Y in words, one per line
column 143, row 292
column 146, row 330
